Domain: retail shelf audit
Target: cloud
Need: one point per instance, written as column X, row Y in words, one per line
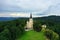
column 14, row 14
column 54, row 10
column 31, row 5
column 41, row 7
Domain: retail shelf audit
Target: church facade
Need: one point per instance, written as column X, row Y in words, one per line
column 29, row 24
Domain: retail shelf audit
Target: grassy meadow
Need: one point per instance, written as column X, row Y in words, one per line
column 33, row 35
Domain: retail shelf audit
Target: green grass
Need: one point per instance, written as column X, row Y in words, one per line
column 33, row 35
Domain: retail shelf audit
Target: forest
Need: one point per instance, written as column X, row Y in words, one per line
column 11, row 30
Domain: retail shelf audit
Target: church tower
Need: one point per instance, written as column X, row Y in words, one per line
column 29, row 25
column 30, row 15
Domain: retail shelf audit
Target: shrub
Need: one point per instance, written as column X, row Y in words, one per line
column 51, row 35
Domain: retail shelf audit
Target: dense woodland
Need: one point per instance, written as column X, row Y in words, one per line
column 11, row 30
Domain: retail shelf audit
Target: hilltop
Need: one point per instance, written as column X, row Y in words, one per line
column 33, row 35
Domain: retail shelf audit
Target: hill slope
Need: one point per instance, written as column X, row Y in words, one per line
column 33, row 35
column 49, row 18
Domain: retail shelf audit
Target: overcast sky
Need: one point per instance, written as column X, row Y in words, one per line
column 22, row 8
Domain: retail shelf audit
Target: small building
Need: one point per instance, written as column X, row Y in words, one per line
column 44, row 27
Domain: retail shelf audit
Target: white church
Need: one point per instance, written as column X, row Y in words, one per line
column 29, row 24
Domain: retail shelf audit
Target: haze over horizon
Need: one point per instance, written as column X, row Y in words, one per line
column 22, row 8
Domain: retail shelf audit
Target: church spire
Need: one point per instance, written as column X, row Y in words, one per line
column 30, row 15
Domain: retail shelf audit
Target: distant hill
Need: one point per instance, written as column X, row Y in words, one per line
column 49, row 18
column 52, row 17
column 6, row 18
column 10, row 18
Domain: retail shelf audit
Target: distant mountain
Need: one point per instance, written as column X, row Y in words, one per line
column 6, row 18
column 10, row 18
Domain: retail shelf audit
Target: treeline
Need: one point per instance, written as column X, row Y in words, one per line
column 11, row 30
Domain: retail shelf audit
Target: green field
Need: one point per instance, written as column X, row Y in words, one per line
column 33, row 35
